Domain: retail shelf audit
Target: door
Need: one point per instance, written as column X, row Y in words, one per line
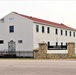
column 11, row 47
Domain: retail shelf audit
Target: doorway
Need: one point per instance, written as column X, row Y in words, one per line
column 11, row 47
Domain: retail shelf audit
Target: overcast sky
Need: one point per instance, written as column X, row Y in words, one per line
column 60, row 11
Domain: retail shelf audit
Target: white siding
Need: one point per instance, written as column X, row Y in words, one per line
column 23, row 30
column 52, row 37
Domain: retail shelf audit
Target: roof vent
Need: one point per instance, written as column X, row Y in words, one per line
column 30, row 16
column 62, row 24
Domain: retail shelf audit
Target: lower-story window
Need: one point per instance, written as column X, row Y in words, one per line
column 66, row 44
column 61, row 43
column 48, row 43
column 56, row 43
column 1, row 41
column 19, row 41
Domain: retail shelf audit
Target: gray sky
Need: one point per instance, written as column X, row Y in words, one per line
column 60, row 11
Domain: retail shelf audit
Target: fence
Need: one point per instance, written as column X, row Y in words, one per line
column 16, row 54
column 59, row 47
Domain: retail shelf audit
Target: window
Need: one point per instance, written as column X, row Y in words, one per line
column 19, row 41
column 37, row 28
column 11, row 28
column 61, row 43
column 66, row 44
column 42, row 29
column 1, row 41
column 74, row 34
column 66, row 33
column 56, row 31
column 56, row 43
column 2, row 20
column 70, row 33
column 48, row 30
column 11, row 19
column 61, row 32
column 48, row 43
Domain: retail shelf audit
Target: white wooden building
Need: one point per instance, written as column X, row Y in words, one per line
column 23, row 33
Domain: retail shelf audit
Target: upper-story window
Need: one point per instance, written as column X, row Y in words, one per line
column 61, row 32
column 66, row 33
column 70, row 33
column 11, row 29
column 56, row 31
column 42, row 29
column 74, row 34
column 37, row 28
column 48, row 29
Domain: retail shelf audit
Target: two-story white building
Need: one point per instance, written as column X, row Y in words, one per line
column 23, row 33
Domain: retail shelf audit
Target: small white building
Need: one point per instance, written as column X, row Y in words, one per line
column 23, row 33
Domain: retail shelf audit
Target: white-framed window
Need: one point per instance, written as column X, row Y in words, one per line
column 70, row 33
column 73, row 34
column 48, row 43
column 1, row 41
column 61, row 32
column 56, row 43
column 61, row 43
column 37, row 28
column 20, row 41
column 42, row 29
column 11, row 29
column 66, row 33
column 56, row 31
column 48, row 29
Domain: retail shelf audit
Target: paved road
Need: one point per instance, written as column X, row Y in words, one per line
column 37, row 67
